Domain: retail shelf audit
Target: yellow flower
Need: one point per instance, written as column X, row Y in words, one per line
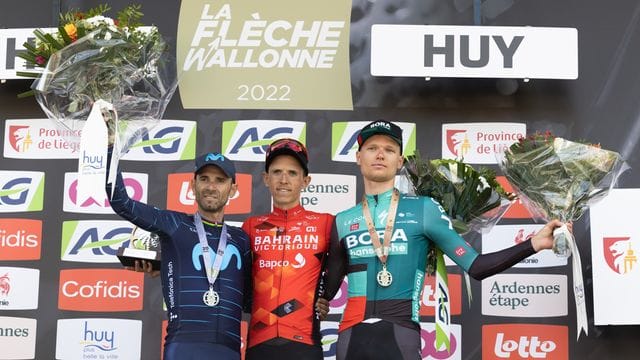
column 71, row 31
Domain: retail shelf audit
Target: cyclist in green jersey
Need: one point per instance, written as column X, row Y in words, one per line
column 381, row 318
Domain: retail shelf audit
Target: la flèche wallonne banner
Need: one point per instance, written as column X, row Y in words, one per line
column 278, row 54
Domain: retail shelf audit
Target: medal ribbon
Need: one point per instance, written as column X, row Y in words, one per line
column 212, row 270
column 381, row 250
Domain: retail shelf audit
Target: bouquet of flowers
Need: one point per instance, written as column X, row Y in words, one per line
column 472, row 199
column 116, row 69
column 557, row 178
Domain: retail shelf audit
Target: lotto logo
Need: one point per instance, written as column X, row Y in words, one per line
column 525, row 341
column 180, row 196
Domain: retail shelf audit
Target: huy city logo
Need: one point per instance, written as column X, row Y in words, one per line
column 39, row 139
column 620, row 254
column 19, row 288
column 17, row 338
column 135, row 184
column 169, row 140
column 428, row 348
column 503, row 236
column 428, row 300
column 21, row 191
column 20, row 239
column 98, row 339
column 479, row 143
column 94, row 241
column 248, row 140
column 180, row 196
column 100, row 290
column 344, row 139
column 525, row 341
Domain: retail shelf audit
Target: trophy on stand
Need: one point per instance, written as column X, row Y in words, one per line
column 143, row 245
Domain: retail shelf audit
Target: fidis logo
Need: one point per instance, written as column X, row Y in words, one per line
column 180, row 196
column 135, row 183
column 525, row 341
column 344, row 139
column 17, row 338
column 504, row 236
column 39, row 139
column 98, row 339
column 248, row 140
column 428, row 300
column 620, row 254
column 101, row 290
column 169, row 140
column 428, row 348
column 329, row 334
column 329, row 193
column 20, row 239
column 19, row 288
column 94, row 241
column 21, row 191
column 479, row 143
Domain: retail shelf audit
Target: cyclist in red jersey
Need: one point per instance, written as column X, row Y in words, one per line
column 289, row 247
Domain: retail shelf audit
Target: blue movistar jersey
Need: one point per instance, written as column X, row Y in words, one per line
column 420, row 223
column 184, row 280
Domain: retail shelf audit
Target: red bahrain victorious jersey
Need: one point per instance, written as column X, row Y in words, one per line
column 289, row 249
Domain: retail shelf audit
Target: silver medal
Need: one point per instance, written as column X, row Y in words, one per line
column 384, row 277
column 211, row 298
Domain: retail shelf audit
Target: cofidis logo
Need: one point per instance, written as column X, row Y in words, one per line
column 180, row 196
column 135, row 183
column 17, row 338
column 248, row 140
column 20, row 239
column 525, row 341
column 94, row 241
column 344, row 139
column 100, row 290
column 21, row 191
column 169, row 140
column 19, row 288
column 39, row 139
column 98, row 339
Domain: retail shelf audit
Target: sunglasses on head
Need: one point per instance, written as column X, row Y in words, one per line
column 292, row 144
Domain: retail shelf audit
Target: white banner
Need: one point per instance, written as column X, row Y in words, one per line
column 523, row 52
column 615, row 242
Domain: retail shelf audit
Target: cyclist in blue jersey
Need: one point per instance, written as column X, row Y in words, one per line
column 381, row 319
column 206, row 264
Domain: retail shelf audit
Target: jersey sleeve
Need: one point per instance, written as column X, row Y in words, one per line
column 438, row 228
column 336, row 266
column 142, row 215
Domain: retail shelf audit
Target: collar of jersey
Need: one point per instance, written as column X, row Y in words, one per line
column 384, row 197
column 298, row 209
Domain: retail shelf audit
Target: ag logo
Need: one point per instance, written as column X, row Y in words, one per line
column 248, row 140
column 170, row 140
column 344, row 139
column 21, row 191
column 95, row 241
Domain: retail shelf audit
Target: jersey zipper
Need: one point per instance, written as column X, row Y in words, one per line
column 280, row 270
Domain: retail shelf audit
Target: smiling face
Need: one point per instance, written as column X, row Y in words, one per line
column 285, row 180
column 379, row 159
column 212, row 189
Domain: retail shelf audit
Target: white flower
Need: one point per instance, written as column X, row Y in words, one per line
column 99, row 20
column 484, row 185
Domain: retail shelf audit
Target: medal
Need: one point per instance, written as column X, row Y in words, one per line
column 211, row 297
column 384, row 277
column 382, row 250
